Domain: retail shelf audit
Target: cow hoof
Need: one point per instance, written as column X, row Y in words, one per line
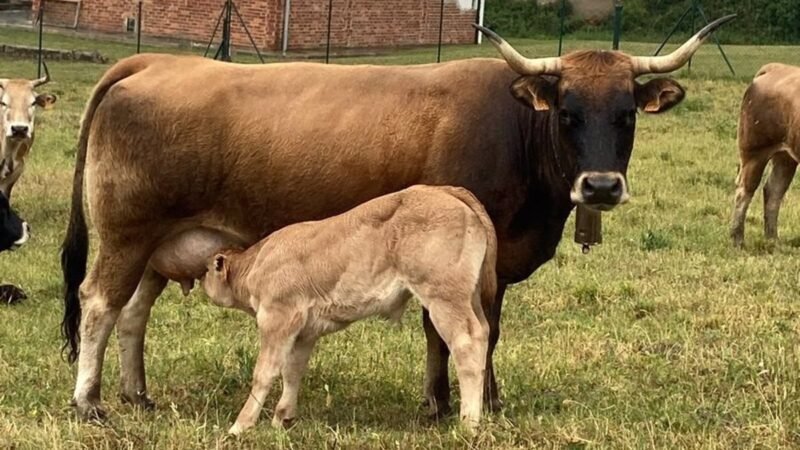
column 10, row 294
column 494, row 405
column 139, row 400
column 91, row 413
column 440, row 411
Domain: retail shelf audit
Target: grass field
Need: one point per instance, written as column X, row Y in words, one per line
column 662, row 337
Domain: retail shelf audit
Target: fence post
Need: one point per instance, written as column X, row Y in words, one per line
column 617, row 24
column 139, row 29
column 328, row 39
column 441, row 24
column 563, row 15
column 41, row 33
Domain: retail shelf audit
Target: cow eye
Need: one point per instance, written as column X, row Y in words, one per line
column 627, row 118
column 3, row 104
column 567, row 118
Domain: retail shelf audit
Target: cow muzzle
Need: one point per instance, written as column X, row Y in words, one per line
column 19, row 131
column 601, row 191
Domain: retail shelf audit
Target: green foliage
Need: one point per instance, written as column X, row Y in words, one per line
column 759, row 21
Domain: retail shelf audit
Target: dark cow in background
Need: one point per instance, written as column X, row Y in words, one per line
column 13, row 230
column 18, row 103
column 199, row 155
column 768, row 131
column 13, row 234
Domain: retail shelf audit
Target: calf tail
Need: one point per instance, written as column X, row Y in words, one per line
column 488, row 276
column 75, row 249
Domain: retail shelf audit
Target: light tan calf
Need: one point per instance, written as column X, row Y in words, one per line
column 18, row 102
column 767, row 131
column 315, row 278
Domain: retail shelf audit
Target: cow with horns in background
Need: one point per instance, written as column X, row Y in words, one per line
column 18, row 103
column 173, row 158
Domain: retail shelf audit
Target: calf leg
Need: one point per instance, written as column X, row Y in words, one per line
column 278, row 330
column 491, row 391
column 750, row 173
column 293, row 370
column 783, row 170
column 437, row 381
column 467, row 338
column 131, row 326
column 107, row 289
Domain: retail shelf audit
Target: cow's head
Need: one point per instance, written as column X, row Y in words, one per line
column 13, row 231
column 18, row 102
column 593, row 97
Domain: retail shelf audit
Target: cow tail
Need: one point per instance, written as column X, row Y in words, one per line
column 75, row 249
column 488, row 276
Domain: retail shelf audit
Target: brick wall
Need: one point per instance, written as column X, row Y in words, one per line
column 61, row 13
column 184, row 19
column 367, row 23
column 356, row 23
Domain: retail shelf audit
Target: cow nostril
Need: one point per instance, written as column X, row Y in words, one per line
column 616, row 188
column 18, row 130
column 587, row 187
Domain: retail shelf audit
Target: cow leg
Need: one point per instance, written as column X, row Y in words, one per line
column 278, row 331
column 491, row 393
column 750, row 173
column 293, row 370
column 110, row 284
column 467, row 336
column 783, row 170
column 437, row 381
column 131, row 326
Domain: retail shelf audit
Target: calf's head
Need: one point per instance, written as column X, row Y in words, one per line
column 13, row 231
column 217, row 282
column 593, row 98
column 18, row 103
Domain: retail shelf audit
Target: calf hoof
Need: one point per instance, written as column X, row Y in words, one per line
column 239, row 428
column 282, row 422
column 139, row 400
column 10, row 294
column 90, row 412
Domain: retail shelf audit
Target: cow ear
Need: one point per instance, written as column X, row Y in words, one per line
column 658, row 95
column 535, row 91
column 45, row 100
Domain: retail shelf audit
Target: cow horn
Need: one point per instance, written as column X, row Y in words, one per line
column 519, row 63
column 44, row 79
column 663, row 64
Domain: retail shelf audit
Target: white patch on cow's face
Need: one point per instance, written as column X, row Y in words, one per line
column 25, row 236
column 18, row 107
column 601, row 191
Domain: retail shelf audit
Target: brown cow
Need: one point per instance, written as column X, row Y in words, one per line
column 18, row 102
column 315, row 278
column 767, row 131
column 218, row 154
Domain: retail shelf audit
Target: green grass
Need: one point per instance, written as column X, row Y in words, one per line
column 662, row 337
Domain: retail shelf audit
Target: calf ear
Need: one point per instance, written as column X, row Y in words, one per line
column 221, row 265
column 45, row 100
column 535, row 91
column 658, row 95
